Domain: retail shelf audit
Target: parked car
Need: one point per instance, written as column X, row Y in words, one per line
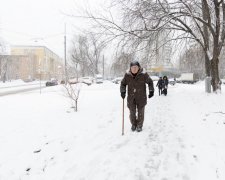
column 52, row 82
column 117, row 80
column 62, row 81
column 172, row 81
column 73, row 80
column 223, row 81
column 87, row 80
column 154, row 78
column 99, row 79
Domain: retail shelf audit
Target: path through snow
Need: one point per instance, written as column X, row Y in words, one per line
column 43, row 139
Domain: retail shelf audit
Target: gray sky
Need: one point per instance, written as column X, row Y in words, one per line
column 41, row 22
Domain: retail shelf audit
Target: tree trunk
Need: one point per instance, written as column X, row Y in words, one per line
column 76, row 103
column 4, row 77
column 207, row 66
column 215, row 75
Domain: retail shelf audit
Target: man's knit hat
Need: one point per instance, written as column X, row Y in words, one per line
column 134, row 63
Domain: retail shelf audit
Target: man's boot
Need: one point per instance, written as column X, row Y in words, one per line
column 133, row 127
column 139, row 128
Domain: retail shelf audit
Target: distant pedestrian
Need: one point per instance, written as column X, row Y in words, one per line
column 136, row 79
column 159, row 85
column 165, row 83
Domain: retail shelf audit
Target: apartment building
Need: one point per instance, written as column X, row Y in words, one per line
column 42, row 63
column 15, row 67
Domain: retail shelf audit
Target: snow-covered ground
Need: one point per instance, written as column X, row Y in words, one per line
column 16, row 83
column 42, row 138
column 18, row 86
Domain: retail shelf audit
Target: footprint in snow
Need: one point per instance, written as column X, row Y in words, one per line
column 151, row 137
column 118, row 146
column 182, row 145
column 195, row 157
column 185, row 177
column 153, row 164
column 138, row 174
column 157, row 149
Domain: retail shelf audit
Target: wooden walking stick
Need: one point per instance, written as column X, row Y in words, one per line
column 123, row 119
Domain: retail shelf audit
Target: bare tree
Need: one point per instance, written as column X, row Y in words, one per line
column 78, row 54
column 192, row 60
column 86, row 52
column 222, row 64
column 73, row 92
column 201, row 21
column 4, row 67
column 2, row 47
column 121, row 64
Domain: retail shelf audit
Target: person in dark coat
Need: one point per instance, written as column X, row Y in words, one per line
column 136, row 79
column 165, row 83
column 159, row 84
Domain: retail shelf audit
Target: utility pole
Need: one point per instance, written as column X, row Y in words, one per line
column 39, row 70
column 103, row 67
column 158, row 63
column 65, row 55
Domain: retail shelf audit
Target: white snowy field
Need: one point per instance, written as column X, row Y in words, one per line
column 42, row 138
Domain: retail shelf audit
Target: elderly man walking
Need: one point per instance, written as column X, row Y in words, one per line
column 136, row 79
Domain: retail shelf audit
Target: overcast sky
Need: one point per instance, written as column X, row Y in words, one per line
column 41, row 22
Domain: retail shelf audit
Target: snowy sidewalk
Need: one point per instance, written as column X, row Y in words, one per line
column 43, row 139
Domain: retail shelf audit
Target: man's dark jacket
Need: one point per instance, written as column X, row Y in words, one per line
column 136, row 87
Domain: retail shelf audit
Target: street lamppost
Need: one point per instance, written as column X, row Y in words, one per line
column 66, row 75
column 76, row 72
column 60, row 73
column 39, row 71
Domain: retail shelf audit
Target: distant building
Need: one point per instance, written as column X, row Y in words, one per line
column 15, row 67
column 41, row 62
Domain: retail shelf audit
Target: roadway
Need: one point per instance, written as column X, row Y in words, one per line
column 9, row 90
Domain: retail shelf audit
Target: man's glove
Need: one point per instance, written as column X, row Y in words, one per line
column 123, row 94
column 151, row 93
